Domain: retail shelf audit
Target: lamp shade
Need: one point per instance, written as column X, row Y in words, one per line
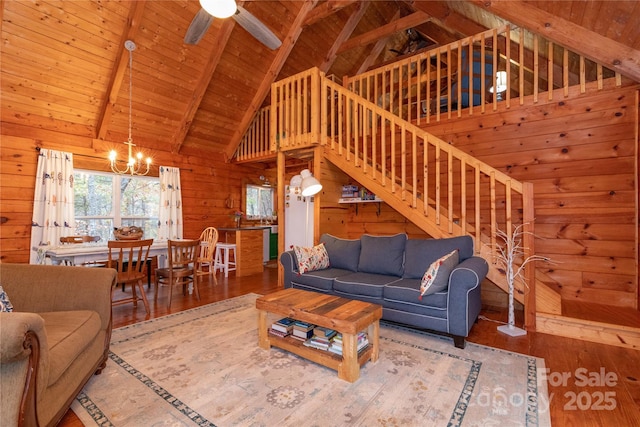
column 310, row 185
column 219, row 8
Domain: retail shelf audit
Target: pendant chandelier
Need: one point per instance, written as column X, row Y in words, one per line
column 134, row 165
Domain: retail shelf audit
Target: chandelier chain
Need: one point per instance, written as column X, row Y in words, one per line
column 133, row 165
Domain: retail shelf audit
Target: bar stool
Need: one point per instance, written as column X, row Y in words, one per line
column 222, row 258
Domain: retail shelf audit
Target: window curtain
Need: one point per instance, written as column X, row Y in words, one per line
column 170, row 226
column 53, row 210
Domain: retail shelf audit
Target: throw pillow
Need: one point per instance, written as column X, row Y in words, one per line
column 311, row 259
column 5, row 304
column 436, row 278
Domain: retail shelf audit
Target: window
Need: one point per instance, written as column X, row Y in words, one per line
column 259, row 202
column 104, row 201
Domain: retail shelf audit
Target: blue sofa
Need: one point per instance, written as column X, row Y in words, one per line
column 387, row 270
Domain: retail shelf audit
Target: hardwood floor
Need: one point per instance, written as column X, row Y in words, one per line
column 589, row 384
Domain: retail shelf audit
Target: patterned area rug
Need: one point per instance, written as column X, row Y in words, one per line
column 203, row 367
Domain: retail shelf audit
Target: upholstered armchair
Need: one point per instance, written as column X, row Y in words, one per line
column 54, row 340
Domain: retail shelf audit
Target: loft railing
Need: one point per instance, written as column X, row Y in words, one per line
column 255, row 144
column 425, row 87
column 462, row 77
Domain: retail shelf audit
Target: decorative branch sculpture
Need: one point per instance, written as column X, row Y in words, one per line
column 509, row 254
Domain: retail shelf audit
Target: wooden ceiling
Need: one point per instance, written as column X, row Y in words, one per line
column 65, row 68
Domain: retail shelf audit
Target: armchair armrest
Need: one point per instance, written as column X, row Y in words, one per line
column 464, row 294
column 24, row 358
column 14, row 327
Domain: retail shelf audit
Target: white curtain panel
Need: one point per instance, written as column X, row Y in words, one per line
column 170, row 204
column 53, row 211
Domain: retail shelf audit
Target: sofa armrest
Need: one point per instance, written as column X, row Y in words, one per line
column 46, row 288
column 290, row 267
column 464, row 294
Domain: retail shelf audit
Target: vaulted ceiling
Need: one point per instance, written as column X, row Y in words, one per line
column 65, row 67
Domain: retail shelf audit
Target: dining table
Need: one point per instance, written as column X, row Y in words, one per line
column 89, row 254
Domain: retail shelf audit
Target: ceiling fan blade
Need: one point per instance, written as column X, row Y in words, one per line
column 256, row 28
column 198, row 27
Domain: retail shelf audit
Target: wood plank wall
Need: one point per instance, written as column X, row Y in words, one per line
column 580, row 154
column 211, row 188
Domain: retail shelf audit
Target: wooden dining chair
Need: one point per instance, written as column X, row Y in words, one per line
column 208, row 241
column 66, row 240
column 129, row 258
column 181, row 269
column 79, row 239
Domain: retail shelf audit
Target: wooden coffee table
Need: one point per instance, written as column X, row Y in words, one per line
column 343, row 315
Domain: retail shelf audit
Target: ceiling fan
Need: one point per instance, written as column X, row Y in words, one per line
column 224, row 9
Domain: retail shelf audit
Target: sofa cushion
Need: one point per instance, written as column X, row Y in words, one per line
column 420, row 253
column 320, row 279
column 311, row 259
column 5, row 303
column 382, row 254
column 343, row 253
column 69, row 333
column 436, row 278
column 405, row 293
column 368, row 284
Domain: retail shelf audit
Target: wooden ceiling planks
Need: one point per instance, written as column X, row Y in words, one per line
column 61, row 60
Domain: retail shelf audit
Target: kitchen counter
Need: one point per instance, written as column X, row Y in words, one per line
column 249, row 247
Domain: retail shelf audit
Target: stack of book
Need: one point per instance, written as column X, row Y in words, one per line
column 302, row 330
column 336, row 343
column 282, row 327
column 321, row 338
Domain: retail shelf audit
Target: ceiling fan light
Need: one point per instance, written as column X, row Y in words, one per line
column 219, row 8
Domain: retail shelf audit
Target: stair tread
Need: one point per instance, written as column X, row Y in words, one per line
column 622, row 316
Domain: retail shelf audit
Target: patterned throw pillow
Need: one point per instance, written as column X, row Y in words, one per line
column 311, row 259
column 436, row 278
column 5, row 304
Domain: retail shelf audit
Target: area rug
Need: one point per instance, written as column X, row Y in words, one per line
column 203, row 367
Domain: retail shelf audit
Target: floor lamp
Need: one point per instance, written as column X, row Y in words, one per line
column 310, row 186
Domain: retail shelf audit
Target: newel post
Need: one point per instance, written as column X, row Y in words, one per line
column 528, row 244
column 316, row 75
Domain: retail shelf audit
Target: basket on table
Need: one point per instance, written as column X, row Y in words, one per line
column 128, row 233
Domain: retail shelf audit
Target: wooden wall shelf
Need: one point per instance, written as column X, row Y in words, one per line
column 357, row 200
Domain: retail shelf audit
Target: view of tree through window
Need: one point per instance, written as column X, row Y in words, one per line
column 259, row 202
column 104, row 201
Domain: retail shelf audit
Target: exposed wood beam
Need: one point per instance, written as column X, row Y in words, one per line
column 270, row 76
column 377, row 50
column 590, row 44
column 444, row 16
column 203, row 84
column 326, row 9
column 401, row 24
column 136, row 9
column 344, row 35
